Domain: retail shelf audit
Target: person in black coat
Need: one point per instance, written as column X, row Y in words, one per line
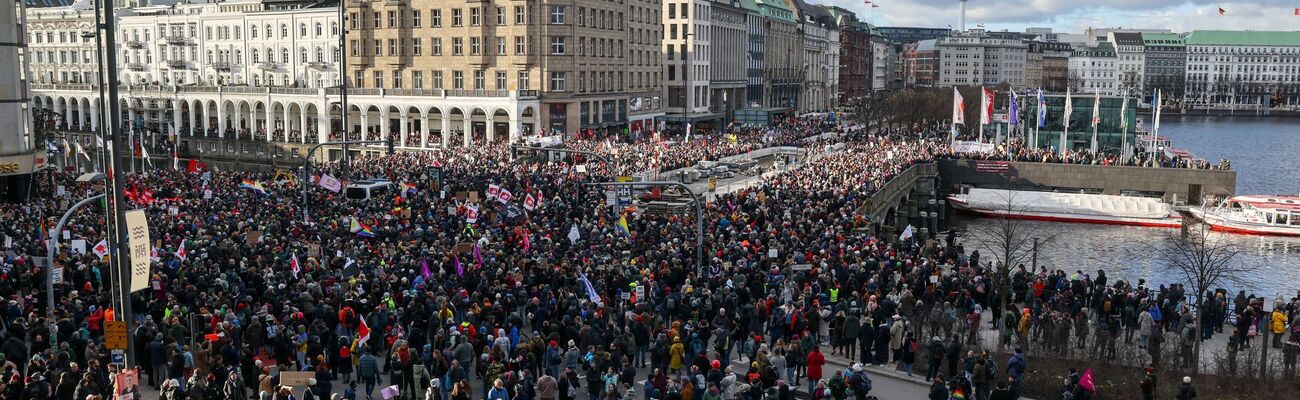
column 953, row 355
column 882, row 344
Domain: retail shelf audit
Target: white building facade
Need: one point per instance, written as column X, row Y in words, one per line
column 975, row 59
column 236, row 69
column 1243, row 69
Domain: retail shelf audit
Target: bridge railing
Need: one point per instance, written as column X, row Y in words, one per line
column 900, row 184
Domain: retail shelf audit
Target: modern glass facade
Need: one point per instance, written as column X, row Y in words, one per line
column 1110, row 136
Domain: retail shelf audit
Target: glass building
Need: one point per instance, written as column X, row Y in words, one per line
column 1110, row 137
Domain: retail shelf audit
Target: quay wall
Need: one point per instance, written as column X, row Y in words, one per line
column 1172, row 184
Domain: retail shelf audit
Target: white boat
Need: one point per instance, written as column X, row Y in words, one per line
column 1068, row 207
column 1253, row 215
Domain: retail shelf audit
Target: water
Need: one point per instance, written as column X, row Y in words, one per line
column 1262, row 151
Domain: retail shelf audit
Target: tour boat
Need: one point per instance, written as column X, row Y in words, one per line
column 1068, row 207
column 1253, row 215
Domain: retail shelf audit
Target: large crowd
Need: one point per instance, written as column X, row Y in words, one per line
column 450, row 291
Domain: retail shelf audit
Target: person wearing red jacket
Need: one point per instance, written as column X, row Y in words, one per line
column 815, row 362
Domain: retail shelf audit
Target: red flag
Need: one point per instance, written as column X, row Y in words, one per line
column 363, row 332
column 1297, row 11
column 1086, row 383
column 1222, row 11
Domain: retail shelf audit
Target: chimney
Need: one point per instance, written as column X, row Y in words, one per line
column 961, row 18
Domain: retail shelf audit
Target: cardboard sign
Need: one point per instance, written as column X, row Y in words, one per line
column 56, row 274
column 253, row 237
column 296, row 378
column 473, row 197
column 207, row 194
column 801, row 267
column 115, row 335
column 67, row 234
column 462, row 196
column 78, row 246
column 462, row 248
column 771, row 253
column 313, row 250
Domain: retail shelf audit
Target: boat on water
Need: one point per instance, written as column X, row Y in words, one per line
column 1253, row 215
column 1068, row 207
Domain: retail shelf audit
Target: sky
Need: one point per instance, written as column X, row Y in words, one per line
column 1072, row 16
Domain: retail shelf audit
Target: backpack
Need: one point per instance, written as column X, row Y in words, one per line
column 861, row 383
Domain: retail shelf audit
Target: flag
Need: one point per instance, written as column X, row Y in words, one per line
column 1222, row 11
column 530, row 203
column 471, row 213
column 154, row 255
column 504, row 196
column 424, row 269
column 478, row 256
column 1096, row 108
column 1123, row 114
column 361, row 229
column 527, row 243
column 82, row 151
column 1015, row 109
column 363, row 331
column 1155, row 126
column 573, row 234
column 591, row 291
column 101, row 248
column 181, row 253
column 1042, row 109
column 1297, row 11
column 330, row 183
column 622, row 226
column 1086, row 382
column 293, row 265
column 408, row 188
column 958, row 108
column 145, row 155
column 907, row 233
column 986, row 106
column 492, row 191
column 460, row 269
column 255, row 186
column 1069, row 108
column 688, row 132
column 41, row 232
column 958, row 394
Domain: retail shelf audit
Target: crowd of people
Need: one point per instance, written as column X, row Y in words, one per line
column 447, row 288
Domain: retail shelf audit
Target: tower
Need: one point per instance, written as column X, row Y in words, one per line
column 961, row 16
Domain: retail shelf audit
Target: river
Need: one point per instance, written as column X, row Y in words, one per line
column 1260, row 150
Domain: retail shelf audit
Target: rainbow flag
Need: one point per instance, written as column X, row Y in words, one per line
column 958, row 394
column 361, row 229
column 41, row 231
column 408, row 188
column 622, row 226
column 254, row 185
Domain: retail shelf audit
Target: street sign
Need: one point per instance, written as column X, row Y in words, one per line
column 115, row 335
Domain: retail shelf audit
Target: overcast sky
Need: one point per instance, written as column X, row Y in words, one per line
column 1077, row 16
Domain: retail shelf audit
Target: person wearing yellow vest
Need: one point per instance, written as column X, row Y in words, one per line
column 835, row 295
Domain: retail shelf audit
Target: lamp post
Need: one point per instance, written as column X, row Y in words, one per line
column 50, row 245
column 121, row 259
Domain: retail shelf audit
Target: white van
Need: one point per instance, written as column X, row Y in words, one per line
column 364, row 190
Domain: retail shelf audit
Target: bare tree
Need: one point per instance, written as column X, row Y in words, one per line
column 1206, row 261
column 1010, row 239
